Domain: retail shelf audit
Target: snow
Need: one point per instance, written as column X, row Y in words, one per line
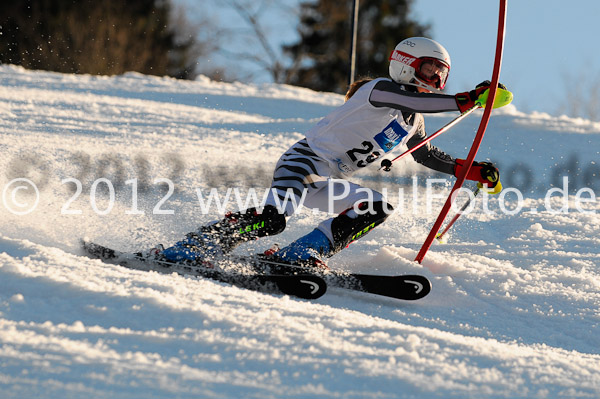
column 516, row 289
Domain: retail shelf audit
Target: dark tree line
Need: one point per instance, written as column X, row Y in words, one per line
column 96, row 37
column 113, row 36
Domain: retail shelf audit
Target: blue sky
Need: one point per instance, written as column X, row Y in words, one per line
column 547, row 42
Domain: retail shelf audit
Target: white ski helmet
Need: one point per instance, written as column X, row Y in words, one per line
column 421, row 62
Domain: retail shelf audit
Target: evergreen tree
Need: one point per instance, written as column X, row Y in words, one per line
column 95, row 36
column 321, row 57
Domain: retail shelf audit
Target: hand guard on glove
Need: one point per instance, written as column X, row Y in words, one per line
column 468, row 99
column 483, row 172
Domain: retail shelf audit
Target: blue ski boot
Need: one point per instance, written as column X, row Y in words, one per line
column 216, row 240
column 345, row 228
column 196, row 247
column 309, row 250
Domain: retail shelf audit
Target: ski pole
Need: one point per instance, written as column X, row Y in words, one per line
column 439, row 236
column 386, row 163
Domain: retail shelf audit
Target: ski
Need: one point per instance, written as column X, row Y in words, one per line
column 405, row 287
column 291, row 279
column 302, row 285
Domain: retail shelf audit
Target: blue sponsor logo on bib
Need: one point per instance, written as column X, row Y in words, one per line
column 391, row 136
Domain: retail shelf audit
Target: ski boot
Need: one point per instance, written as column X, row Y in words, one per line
column 196, row 248
column 348, row 226
column 214, row 241
column 309, row 250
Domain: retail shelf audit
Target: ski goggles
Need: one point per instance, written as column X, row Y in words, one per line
column 430, row 70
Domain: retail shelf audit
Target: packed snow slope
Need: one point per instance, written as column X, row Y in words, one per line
column 514, row 310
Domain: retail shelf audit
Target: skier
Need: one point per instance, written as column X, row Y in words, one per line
column 378, row 116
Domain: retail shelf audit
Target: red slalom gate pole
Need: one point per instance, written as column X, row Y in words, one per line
column 478, row 137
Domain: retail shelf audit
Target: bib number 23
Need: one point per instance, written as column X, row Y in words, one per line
column 371, row 155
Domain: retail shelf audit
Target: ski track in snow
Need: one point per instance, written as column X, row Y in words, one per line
column 513, row 312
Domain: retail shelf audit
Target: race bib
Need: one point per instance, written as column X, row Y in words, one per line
column 391, row 136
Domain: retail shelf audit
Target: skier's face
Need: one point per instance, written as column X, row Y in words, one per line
column 433, row 72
